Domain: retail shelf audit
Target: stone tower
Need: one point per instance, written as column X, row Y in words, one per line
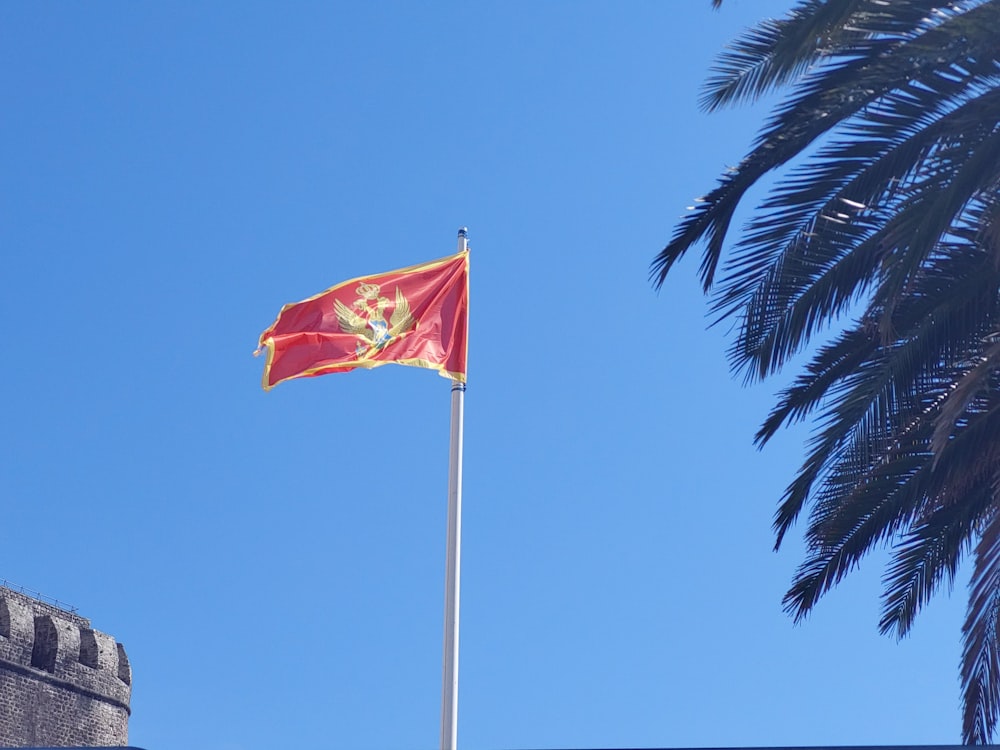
column 62, row 683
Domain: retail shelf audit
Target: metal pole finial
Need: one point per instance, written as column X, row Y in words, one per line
column 463, row 232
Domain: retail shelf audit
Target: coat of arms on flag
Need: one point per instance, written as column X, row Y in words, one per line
column 366, row 318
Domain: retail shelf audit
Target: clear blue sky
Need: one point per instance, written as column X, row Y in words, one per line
column 172, row 173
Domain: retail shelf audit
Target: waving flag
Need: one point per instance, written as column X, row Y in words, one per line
column 414, row 316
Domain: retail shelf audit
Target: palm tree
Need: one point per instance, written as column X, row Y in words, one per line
column 884, row 228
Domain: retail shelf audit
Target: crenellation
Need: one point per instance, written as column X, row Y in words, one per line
column 4, row 619
column 22, row 620
column 107, row 653
column 124, row 667
column 61, row 682
column 89, row 656
column 17, row 645
column 45, row 644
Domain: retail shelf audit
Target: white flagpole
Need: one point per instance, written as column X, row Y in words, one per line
column 449, row 686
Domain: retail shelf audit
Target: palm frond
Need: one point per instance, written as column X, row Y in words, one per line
column 981, row 635
column 853, row 80
column 816, row 244
column 777, row 51
column 863, row 380
column 774, row 52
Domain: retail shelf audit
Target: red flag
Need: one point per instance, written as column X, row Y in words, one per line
column 414, row 316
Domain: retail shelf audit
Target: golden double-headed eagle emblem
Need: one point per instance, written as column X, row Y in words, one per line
column 366, row 319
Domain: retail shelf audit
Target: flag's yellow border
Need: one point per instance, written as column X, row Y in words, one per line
column 267, row 342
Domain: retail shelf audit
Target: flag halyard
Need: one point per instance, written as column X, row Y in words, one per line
column 414, row 316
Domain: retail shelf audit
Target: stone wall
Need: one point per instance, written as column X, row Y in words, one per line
column 62, row 683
